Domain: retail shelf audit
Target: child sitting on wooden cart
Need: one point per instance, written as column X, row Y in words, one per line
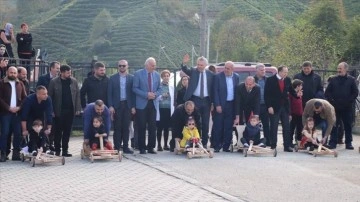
column 97, row 130
column 39, row 139
column 252, row 133
column 310, row 134
column 190, row 134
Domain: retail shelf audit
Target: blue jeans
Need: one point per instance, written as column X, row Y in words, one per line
column 10, row 121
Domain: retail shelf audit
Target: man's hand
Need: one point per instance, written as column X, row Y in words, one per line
column 97, row 135
column 14, row 109
column 47, row 131
column 112, row 110
column 151, row 96
column 186, row 59
column 271, row 110
column 218, row 109
column 133, row 111
column 25, row 133
column 324, row 140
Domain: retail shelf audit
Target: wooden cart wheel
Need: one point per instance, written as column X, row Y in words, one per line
column 120, row 156
column 245, row 152
column 32, row 162
column 91, row 158
column 63, row 161
column 211, row 154
column 231, row 148
column 275, row 153
column 335, row 154
column 22, row 157
column 176, row 151
column 189, row 155
column 315, row 155
column 82, row 153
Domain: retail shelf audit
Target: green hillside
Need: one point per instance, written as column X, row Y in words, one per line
column 164, row 29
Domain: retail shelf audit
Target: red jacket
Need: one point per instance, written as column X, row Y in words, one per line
column 5, row 94
column 296, row 105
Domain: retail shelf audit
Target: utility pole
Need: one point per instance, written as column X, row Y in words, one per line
column 203, row 28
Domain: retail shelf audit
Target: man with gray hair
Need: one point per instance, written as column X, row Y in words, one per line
column 341, row 93
column 200, row 91
column 260, row 79
column 146, row 86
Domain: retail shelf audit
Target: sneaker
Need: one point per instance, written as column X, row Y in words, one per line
column 262, row 145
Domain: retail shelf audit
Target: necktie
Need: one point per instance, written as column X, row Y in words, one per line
column 201, row 85
column 149, row 82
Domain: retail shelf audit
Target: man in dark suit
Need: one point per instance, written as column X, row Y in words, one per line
column 180, row 118
column 247, row 100
column 146, row 87
column 276, row 97
column 260, row 79
column 224, row 97
column 199, row 91
column 45, row 79
column 121, row 101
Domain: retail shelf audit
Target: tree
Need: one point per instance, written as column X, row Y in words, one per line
column 316, row 36
column 352, row 53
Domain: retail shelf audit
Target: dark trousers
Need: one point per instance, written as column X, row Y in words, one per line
column 10, row 122
column 122, row 121
column 296, row 123
column 63, row 125
column 146, row 117
column 256, row 142
column 163, row 125
column 282, row 115
column 264, row 117
column 344, row 115
column 26, row 62
column 204, row 107
column 223, row 127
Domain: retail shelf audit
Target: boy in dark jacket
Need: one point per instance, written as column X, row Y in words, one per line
column 252, row 133
column 38, row 139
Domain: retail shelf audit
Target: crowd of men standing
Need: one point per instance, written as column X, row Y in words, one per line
column 145, row 95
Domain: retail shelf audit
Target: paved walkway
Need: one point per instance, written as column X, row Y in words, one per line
column 167, row 177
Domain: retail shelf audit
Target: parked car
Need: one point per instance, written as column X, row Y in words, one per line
column 245, row 69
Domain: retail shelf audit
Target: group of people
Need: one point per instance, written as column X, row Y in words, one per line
column 23, row 39
column 146, row 101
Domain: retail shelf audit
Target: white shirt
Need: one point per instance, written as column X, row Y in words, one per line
column 197, row 90
column 13, row 94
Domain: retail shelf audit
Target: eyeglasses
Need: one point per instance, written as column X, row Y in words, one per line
column 191, row 124
column 122, row 65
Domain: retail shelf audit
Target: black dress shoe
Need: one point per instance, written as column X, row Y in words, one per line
column 57, row 153
column 65, row 154
column 217, row 150
column 166, row 148
column 226, row 150
column 349, row 147
column 160, row 149
column 288, row 149
column 128, row 151
column 152, row 151
column 272, row 147
column 332, row 147
column 142, row 151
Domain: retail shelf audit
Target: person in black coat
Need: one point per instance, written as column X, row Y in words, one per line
column 341, row 93
column 312, row 84
column 276, row 97
column 180, row 118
